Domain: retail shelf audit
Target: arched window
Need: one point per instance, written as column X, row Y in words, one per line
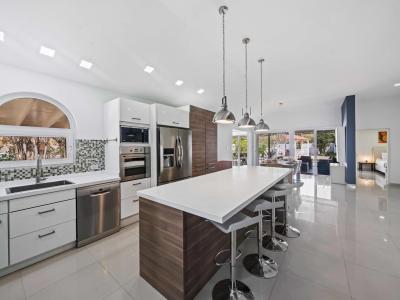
column 32, row 126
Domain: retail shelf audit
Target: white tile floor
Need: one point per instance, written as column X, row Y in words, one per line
column 349, row 249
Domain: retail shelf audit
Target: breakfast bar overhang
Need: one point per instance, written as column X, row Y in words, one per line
column 177, row 242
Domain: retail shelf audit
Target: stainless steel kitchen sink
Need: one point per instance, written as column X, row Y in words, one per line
column 37, row 186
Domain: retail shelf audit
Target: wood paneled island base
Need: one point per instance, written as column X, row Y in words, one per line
column 177, row 249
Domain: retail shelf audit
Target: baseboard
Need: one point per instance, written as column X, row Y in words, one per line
column 130, row 220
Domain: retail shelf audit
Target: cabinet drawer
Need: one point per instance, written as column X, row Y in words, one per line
column 129, row 189
column 41, row 241
column 42, row 199
column 33, row 219
column 3, row 241
column 3, row 207
column 129, row 207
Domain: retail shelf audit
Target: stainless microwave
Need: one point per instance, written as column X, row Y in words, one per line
column 137, row 135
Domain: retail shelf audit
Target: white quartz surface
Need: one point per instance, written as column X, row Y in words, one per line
column 217, row 196
column 78, row 180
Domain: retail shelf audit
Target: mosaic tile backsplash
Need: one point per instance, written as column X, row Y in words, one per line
column 89, row 156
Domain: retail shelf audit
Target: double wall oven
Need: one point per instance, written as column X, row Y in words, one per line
column 134, row 162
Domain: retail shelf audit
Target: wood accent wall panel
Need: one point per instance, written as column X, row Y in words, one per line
column 197, row 124
column 204, row 141
column 211, row 143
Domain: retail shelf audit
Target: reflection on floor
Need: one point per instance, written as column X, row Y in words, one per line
column 349, row 249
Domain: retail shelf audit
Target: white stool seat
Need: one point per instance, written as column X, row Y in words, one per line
column 287, row 186
column 275, row 193
column 260, row 204
column 237, row 222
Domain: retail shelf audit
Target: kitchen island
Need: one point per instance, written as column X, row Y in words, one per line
column 177, row 243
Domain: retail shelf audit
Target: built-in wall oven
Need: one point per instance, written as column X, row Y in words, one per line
column 134, row 162
column 134, row 134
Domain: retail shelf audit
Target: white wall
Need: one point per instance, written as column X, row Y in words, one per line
column 383, row 113
column 316, row 116
column 85, row 103
column 225, row 142
column 366, row 141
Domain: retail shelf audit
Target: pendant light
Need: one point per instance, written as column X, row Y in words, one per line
column 246, row 121
column 261, row 126
column 223, row 116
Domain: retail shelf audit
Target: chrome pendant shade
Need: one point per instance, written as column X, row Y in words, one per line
column 246, row 121
column 223, row 116
column 261, row 126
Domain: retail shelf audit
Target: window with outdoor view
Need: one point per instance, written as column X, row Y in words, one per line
column 31, row 126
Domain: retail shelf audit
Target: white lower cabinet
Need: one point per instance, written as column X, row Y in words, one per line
column 129, row 197
column 41, row 241
column 3, row 241
column 29, row 220
column 129, row 207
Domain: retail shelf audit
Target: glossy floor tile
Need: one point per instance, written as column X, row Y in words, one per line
column 349, row 249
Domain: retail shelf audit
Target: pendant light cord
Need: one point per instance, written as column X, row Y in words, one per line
column 245, row 61
column 261, row 89
column 223, row 55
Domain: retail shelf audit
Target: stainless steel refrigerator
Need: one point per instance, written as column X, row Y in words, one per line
column 174, row 154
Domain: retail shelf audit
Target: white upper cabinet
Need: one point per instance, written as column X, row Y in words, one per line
column 134, row 112
column 171, row 116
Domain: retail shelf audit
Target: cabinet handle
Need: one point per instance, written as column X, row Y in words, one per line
column 46, row 211
column 138, row 183
column 100, row 194
column 46, row 234
column 177, row 123
column 136, row 119
column 135, row 200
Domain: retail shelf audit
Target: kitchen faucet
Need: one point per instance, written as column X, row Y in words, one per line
column 39, row 169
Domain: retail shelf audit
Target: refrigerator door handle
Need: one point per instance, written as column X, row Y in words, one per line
column 178, row 152
column 180, row 144
column 161, row 159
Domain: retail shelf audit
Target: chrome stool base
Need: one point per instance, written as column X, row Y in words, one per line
column 223, row 291
column 274, row 244
column 287, row 231
column 263, row 267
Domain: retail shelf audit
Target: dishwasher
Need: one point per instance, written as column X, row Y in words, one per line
column 98, row 212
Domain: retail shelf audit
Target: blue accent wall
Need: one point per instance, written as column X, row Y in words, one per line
column 349, row 124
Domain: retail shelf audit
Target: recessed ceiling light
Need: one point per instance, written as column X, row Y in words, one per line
column 179, row 82
column 397, row 84
column 382, row 217
column 200, row 91
column 86, row 64
column 47, row 51
column 2, row 35
column 148, row 69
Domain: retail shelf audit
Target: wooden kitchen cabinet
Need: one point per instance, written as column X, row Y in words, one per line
column 204, row 141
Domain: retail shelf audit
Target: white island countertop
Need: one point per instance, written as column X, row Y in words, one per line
column 77, row 179
column 217, row 196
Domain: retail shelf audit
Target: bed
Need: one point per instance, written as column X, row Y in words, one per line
column 381, row 163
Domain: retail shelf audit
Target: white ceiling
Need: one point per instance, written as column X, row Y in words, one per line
column 315, row 50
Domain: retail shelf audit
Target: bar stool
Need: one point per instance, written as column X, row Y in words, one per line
column 286, row 229
column 272, row 242
column 233, row 288
column 256, row 263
